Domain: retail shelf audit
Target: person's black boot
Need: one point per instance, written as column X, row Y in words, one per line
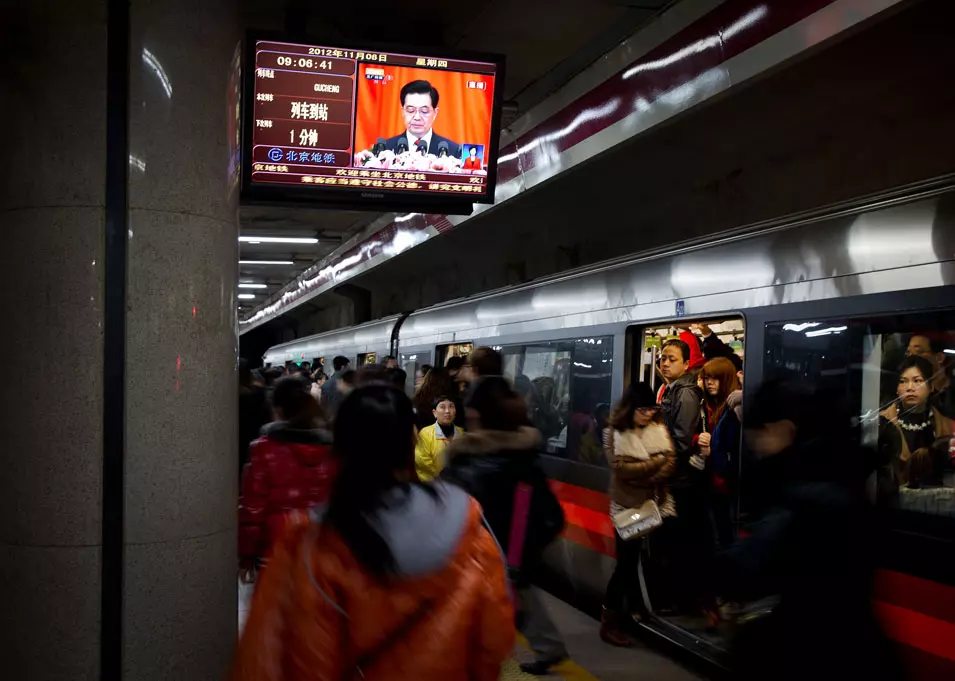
column 539, row 667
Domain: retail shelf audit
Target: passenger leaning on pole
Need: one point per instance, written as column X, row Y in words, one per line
column 497, row 461
column 394, row 579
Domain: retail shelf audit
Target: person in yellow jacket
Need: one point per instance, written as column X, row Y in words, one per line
column 433, row 439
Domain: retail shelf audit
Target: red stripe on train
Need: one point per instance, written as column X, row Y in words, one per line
column 917, row 630
column 917, row 613
column 921, row 595
column 588, row 498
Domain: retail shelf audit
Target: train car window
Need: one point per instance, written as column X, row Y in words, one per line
column 898, row 374
column 367, row 358
column 567, row 388
column 446, row 352
column 412, row 363
column 906, row 401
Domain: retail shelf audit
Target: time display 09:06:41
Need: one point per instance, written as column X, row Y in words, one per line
column 304, row 63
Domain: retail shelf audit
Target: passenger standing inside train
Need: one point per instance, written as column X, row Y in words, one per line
column 719, row 444
column 332, row 394
column 290, row 468
column 641, row 458
column 495, row 458
column 390, row 362
column 714, row 347
column 429, row 453
column 915, row 437
column 436, row 384
column 686, row 539
column 394, row 579
column 943, row 388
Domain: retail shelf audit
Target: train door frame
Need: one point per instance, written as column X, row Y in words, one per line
column 635, row 335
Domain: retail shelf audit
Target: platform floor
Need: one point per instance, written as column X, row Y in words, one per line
column 591, row 658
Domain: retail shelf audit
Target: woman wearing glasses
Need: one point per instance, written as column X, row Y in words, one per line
column 641, row 458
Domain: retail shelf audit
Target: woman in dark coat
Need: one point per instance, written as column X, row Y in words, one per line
column 497, row 455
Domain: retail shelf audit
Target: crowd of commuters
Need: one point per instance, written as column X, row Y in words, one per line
column 373, row 522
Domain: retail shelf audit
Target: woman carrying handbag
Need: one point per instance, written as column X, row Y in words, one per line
column 641, row 457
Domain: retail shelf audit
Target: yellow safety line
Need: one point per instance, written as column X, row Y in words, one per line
column 570, row 670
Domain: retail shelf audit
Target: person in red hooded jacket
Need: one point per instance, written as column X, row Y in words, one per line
column 290, row 469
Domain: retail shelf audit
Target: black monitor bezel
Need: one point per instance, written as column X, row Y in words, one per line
column 361, row 198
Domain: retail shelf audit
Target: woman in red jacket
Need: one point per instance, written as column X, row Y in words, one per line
column 290, row 469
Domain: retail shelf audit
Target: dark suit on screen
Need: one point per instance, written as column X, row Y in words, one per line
column 454, row 149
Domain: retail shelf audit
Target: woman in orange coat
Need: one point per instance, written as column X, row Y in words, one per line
column 395, row 579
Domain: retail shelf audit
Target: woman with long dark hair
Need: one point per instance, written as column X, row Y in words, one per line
column 395, row 579
column 437, row 383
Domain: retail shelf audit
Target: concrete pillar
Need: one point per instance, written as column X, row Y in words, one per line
column 181, row 386
column 179, row 613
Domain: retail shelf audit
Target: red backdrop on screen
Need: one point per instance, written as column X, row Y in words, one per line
column 464, row 114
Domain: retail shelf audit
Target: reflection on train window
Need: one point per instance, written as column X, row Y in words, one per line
column 446, row 352
column 897, row 372
column 367, row 358
column 414, row 363
column 566, row 385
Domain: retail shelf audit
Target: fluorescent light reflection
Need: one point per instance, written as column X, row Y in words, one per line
column 746, row 21
column 149, row 59
column 799, row 328
column 137, row 163
column 266, row 262
column 826, row 332
column 278, row 240
column 246, row 296
column 252, row 286
column 584, row 116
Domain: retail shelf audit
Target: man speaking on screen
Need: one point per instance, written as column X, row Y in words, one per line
column 419, row 106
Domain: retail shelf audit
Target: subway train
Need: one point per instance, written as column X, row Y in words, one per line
column 830, row 296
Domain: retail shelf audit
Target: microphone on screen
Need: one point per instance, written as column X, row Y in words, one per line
column 401, row 146
column 379, row 147
column 442, row 149
column 421, row 147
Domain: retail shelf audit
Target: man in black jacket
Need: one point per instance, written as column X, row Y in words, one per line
column 681, row 406
column 687, row 543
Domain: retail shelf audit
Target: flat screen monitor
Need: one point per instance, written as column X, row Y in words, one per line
column 369, row 128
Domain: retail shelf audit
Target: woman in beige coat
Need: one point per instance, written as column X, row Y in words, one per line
column 641, row 457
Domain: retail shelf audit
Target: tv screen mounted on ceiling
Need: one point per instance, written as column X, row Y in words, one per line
column 368, row 128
